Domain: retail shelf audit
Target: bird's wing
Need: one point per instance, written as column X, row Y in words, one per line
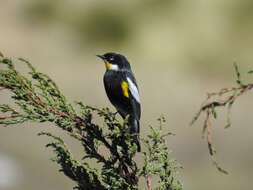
column 133, row 89
column 134, row 95
column 134, row 98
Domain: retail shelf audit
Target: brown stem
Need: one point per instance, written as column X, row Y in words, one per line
column 8, row 117
column 149, row 182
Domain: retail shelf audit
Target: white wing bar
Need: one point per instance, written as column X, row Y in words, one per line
column 134, row 90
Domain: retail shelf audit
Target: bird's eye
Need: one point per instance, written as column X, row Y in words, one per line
column 111, row 59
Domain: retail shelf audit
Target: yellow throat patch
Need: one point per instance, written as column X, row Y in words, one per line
column 124, row 87
column 108, row 65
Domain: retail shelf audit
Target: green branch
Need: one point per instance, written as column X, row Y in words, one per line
column 158, row 162
column 37, row 98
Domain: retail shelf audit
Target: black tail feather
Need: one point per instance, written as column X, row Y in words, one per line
column 134, row 125
column 137, row 142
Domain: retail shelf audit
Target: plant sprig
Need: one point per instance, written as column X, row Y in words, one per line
column 224, row 98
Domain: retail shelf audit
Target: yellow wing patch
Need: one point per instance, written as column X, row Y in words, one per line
column 125, row 90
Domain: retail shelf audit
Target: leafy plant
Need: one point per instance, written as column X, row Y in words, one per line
column 38, row 99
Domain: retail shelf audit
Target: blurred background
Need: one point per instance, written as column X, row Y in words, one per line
column 179, row 50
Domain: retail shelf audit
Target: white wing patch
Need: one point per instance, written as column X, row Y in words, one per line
column 134, row 90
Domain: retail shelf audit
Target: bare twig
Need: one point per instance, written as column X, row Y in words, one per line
column 224, row 98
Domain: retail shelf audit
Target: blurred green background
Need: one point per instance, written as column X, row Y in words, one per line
column 179, row 50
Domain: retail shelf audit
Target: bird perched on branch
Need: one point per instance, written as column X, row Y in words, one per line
column 122, row 91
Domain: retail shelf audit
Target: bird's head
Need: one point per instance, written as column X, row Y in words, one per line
column 114, row 61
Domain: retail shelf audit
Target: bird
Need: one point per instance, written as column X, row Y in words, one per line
column 122, row 91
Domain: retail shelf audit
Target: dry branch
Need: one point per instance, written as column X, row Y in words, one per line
column 224, row 98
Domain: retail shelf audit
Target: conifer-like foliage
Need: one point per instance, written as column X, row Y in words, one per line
column 38, row 99
column 157, row 161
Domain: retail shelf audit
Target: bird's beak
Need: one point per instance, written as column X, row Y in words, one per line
column 101, row 57
column 108, row 65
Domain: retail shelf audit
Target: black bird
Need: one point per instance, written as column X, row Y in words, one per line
column 122, row 91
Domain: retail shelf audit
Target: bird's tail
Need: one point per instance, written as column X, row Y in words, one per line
column 134, row 125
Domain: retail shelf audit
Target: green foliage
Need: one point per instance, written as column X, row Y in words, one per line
column 38, row 99
column 85, row 177
column 157, row 161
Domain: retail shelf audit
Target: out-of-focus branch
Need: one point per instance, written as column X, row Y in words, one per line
column 224, row 98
